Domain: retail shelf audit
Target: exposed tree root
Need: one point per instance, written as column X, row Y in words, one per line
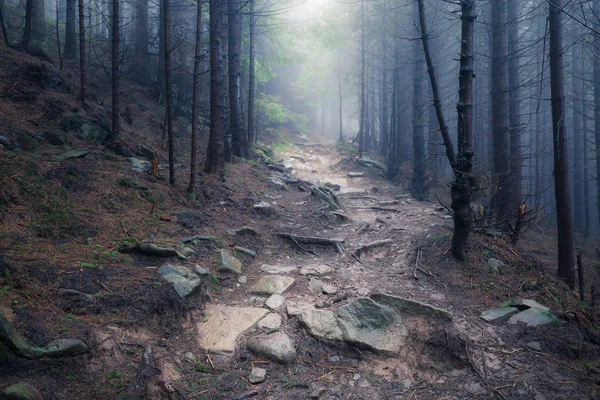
column 336, row 243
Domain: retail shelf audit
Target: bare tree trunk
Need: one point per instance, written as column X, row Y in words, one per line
column 566, row 269
column 251, row 78
column 383, row 99
column 57, row 15
column 340, row 99
column 114, row 70
column 34, row 33
column 70, row 35
column 141, row 40
column 195, row 96
column 586, row 159
column 168, row 91
column 82, row 70
column 514, row 106
column 3, row 26
column 596, row 46
column 463, row 185
column 215, row 161
column 363, row 100
column 501, row 194
column 578, row 154
column 239, row 138
column 418, row 184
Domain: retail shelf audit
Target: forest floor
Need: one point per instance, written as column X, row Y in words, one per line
column 63, row 222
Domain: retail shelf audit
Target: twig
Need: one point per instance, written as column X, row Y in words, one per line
column 323, row 376
column 9, row 179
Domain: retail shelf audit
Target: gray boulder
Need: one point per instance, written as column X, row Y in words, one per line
column 229, row 264
column 277, row 347
column 257, row 375
column 183, row 280
column 495, row 266
column 321, row 324
column 498, row 313
column 400, row 304
column 21, row 391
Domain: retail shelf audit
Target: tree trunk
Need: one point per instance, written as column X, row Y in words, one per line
column 578, row 154
column 596, row 45
column 340, row 99
column 251, row 83
column 501, row 193
column 363, row 105
column 514, row 107
column 566, row 269
column 34, row 33
column 383, row 100
column 141, row 40
column 419, row 184
column 70, row 51
column 586, row 174
column 215, row 161
column 239, row 139
column 195, row 97
column 168, row 91
column 114, row 70
column 464, row 182
column 82, row 70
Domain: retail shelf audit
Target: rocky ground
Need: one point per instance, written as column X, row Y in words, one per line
column 335, row 285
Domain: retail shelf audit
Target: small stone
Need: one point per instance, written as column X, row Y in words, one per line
column 183, row 280
column 21, row 391
column 317, row 393
column 277, row 347
column 329, row 289
column 535, row 346
column 243, row 231
column 407, row 383
column 316, row 285
column 190, row 356
column 293, row 311
column 243, row 279
column 356, row 377
column 244, row 250
column 257, row 375
column 275, row 301
column 263, row 207
column 494, row 266
column 229, row 263
column 201, row 272
column 75, row 296
column 71, row 155
column 355, row 174
column 277, row 269
column 321, row 304
column 271, row 321
column 272, row 284
column 363, row 383
column 498, row 313
column 277, row 183
column 334, row 359
column 316, row 270
column 186, row 251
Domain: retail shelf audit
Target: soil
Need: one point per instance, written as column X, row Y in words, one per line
column 62, row 225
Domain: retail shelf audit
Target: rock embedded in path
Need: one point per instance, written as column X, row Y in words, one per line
column 370, row 325
column 257, row 375
column 272, row 284
column 275, row 301
column 277, row 183
column 321, row 324
column 229, row 264
column 524, row 304
column 498, row 313
column 495, row 266
column 277, row 269
column 329, row 289
column 222, row 325
column 400, row 305
column 355, row 174
column 316, row 285
column 243, row 231
column 183, row 280
column 244, row 250
column 263, row 208
column 21, row 391
column 271, row 321
column 534, row 317
column 276, row 347
column 316, row 270
column 535, row 346
column 69, row 155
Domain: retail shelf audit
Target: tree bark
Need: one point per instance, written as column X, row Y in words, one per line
column 82, row 70
column 34, row 33
column 566, row 269
column 514, row 107
column 141, row 40
column 115, row 38
column 195, row 97
column 239, row 139
column 462, row 165
column 578, row 154
column 70, row 51
column 596, row 45
column 418, row 184
column 501, row 193
column 215, row 158
column 363, row 105
column 168, row 91
column 251, row 83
